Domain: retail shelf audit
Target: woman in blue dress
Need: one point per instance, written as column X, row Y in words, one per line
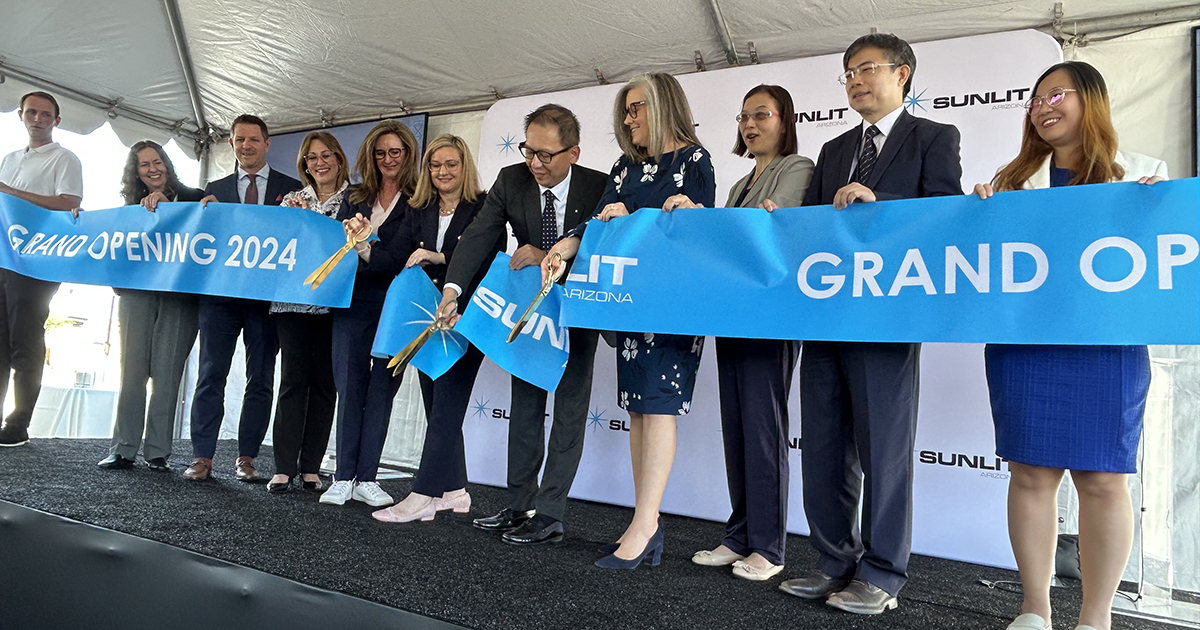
column 1076, row 408
column 662, row 166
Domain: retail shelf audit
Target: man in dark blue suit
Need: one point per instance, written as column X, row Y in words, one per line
column 222, row 319
column 858, row 401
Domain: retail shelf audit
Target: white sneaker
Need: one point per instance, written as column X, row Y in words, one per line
column 338, row 493
column 370, row 493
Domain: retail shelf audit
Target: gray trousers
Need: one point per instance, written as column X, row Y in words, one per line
column 527, row 433
column 157, row 334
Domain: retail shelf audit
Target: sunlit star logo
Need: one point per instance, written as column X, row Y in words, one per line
column 508, row 144
column 914, row 100
column 480, row 409
column 443, row 333
column 596, row 420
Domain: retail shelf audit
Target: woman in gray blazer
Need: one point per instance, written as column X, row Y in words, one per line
column 755, row 375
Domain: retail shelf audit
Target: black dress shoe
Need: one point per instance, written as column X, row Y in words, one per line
column 507, row 519
column 158, row 464
column 313, row 485
column 816, row 586
column 539, row 529
column 279, row 487
column 115, row 462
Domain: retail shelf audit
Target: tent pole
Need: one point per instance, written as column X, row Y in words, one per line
column 723, row 31
column 185, row 60
column 1065, row 29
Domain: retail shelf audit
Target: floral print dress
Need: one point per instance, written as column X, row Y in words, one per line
column 656, row 373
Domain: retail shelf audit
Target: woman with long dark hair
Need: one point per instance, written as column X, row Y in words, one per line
column 157, row 329
column 663, row 166
column 387, row 163
column 1076, row 408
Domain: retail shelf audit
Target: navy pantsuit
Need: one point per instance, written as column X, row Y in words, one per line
column 365, row 388
column 858, row 401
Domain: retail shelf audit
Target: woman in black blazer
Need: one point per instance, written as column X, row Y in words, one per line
column 447, row 199
column 157, row 329
column 387, row 162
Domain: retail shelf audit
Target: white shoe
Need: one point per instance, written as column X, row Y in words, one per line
column 370, row 493
column 1081, row 627
column 457, row 500
column 1029, row 621
column 747, row 571
column 338, row 493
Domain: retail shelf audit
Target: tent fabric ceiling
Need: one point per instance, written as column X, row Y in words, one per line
column 302, row 62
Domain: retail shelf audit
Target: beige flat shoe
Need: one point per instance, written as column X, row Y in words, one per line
column 1082, row 627
column 708, row 558
column 750, row 572
column 1029, row 621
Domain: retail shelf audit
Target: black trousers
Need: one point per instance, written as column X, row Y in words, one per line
column 365, row 387
column 755, row 379
column 24, row 307
column 443, row 458
column 858, row 421
column 220, row 324
column 527, row 433
column 307, row 396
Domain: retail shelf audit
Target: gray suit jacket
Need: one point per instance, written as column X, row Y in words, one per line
column 784, row 183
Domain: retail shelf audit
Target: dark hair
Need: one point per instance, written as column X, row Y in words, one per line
column 45, row 95
column 895, row 49
column 552, row 115
column 1098, row 151
column 788, row 142
column 133, row 189
column 249, row 119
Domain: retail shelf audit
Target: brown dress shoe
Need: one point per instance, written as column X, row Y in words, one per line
column 199, row 469
column 244, row 470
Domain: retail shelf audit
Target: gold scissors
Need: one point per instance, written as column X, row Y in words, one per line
column 315, row 278
column 400, row 361
column 537, row 299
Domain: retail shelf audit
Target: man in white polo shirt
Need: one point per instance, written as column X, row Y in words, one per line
column 47, row 175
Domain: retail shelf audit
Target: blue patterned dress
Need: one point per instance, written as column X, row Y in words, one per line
column 1073, row 407
column 656, row 373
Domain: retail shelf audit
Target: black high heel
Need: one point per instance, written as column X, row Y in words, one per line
column 610, row 548
column 653, row 551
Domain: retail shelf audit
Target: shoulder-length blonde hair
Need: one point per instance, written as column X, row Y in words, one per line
column 468, row 184
column 667, row 116
column 1098, row 152
column 330, row 141
column 368, row 191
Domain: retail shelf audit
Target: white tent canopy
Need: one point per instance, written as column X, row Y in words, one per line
column 187, row 68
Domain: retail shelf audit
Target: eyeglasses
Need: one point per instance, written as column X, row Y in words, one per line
column 863, row 68
column 327, row 156
column 757, row 117
column 393, row 153
column 545, row 157
column 449, row 164
column 633, row 109
column 1053, row 98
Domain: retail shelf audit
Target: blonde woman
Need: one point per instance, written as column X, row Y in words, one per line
column 662, row 166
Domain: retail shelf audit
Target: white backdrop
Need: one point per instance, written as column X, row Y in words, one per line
column 976, row 83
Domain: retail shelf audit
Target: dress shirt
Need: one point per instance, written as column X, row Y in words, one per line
column 47, row 170
column 884, row 126
column 243, row 182
column 560, row 201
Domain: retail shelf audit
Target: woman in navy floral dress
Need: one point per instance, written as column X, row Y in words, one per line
column 663, row 166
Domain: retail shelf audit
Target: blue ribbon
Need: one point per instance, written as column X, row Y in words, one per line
column 409, row 308
column 232, row 250
column 1100, row 264
column 539, row 355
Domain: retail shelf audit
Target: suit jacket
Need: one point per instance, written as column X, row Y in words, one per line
column 919, row 159
column 514, row 199
column 278, row 185
column 422, row 232
column 783, row 182
column 388, row 254
column 1136, row 167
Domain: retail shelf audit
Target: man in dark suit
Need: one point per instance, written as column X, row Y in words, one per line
column 858, row 401
column 541, row 199
column 223, row 319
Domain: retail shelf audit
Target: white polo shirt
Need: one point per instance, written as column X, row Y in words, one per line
column 47, row 170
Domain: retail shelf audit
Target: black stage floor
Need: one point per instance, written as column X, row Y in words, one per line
column 449, row 571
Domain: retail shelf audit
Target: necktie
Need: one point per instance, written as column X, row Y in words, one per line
column 866, row 159
column 252, row 191
column 549, row 223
